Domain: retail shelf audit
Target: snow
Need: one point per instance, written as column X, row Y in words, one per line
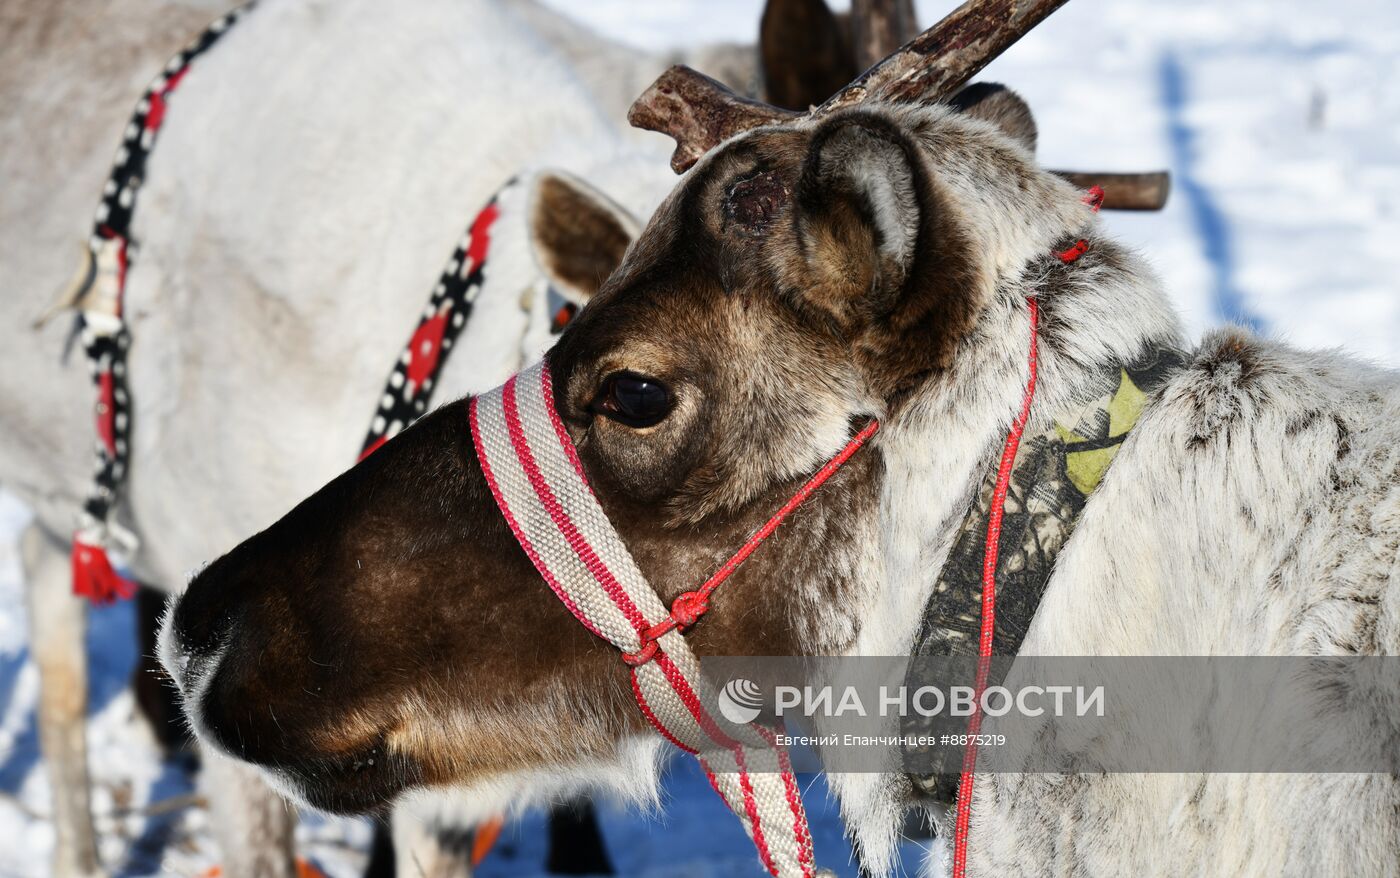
column 1280, row 122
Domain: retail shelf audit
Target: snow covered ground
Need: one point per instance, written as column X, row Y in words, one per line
column 1280, row 122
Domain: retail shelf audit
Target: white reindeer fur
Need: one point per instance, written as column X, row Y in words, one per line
column 300, row 242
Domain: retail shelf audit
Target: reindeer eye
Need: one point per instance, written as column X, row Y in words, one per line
column 632, row 399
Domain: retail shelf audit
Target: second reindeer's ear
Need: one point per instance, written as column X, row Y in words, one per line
column 995, row 103
column 578, row 235
column 859, row 215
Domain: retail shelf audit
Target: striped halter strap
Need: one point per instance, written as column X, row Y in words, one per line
column 538, row 481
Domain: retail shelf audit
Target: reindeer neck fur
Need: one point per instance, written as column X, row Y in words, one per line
column 1103, row 310
column 1106, row 309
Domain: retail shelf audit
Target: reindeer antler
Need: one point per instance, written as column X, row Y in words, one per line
column 879, row 27
column 943, row 58
column 1145, row 190
column 699, row 113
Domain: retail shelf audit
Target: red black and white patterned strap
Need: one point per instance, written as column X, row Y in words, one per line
column 414, row 375
column 539, row 484
column 99, row 298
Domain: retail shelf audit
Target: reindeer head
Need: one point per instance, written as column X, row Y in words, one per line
column 808, row 273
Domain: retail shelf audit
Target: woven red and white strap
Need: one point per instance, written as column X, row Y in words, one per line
column 538, row 482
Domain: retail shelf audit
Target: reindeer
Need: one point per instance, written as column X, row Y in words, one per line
column 887, row 255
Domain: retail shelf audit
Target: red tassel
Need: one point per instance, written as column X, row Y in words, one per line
column 94, row 577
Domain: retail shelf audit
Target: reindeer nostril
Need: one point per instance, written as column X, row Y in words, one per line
column 200, row 634
column 206, row 616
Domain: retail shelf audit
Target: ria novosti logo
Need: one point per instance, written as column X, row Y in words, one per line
column 740, row 701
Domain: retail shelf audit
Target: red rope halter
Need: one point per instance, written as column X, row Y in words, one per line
column 687, row 608
column 963, row 821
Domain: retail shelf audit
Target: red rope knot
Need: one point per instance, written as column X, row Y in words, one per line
column 688, row 608
column 642, row 656
column 1094, row 198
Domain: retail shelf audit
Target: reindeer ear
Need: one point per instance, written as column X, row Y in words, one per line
column 995, row 103
column 577, row 233
column 805, row 51
column 859, row 214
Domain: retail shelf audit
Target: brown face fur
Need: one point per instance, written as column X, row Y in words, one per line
column 796, row 283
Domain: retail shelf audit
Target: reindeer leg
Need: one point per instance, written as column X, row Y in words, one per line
column 252, row 825
column 381, row 853
column 156, row 695
column 57, row 621
column 575, row 841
